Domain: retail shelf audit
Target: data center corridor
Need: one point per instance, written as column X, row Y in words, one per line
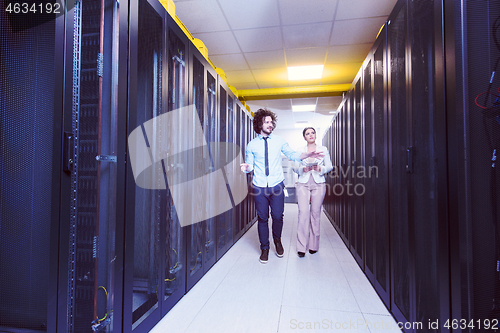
column 326, row 291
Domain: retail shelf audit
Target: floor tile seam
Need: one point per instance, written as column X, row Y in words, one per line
column 321, row 308
column 197, row 314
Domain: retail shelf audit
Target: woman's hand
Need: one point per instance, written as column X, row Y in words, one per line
column 316, row 168
column 244, row 167
column 307, row 169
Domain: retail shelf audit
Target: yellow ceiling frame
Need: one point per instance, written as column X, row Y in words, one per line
column 293, row 92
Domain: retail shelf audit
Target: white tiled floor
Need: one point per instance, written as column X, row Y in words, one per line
column 323, row 292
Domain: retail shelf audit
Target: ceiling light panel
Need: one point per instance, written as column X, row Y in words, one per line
column 303, row 108
column 305, row 72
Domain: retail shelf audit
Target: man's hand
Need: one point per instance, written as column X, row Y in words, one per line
column 244, row 167
column 312, row 154
column 315, row 154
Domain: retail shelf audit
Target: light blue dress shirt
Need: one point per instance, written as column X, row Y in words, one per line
column 255, row 158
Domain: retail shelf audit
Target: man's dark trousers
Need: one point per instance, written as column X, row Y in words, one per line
column 266, row 197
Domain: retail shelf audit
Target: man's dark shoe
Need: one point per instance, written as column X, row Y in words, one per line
column 312, row 251
column 264, row 256
column 279, row 248
column 301, row 254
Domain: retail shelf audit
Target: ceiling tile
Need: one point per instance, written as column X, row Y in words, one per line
column 230, row 62
column 257, row 40
column 303, row 57
column 272, row 74
column 304, row 101
column 364, row 8
column 250, row 14
column 201, row 15
column 332, row 101
column 307, row 35
column 359, row 31
column 348, row 53
column 235, row 77
column 340, row 73
column 262, row 60
column 255, row 105
column 244, row 85
column 327, row 108
column 311, row 11
column 222, row 42
column 279, row 104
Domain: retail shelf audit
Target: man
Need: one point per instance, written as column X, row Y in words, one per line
column 263, row 157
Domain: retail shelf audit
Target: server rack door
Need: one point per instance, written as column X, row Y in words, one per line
column 380, row 171
column 335, row 173
column 337, row 143
column 92, row 143
column 224, row 222
column 351, row 212
column 173, row 234
column 200, row 165
column 427, row 202
column 358, row 173
column 476, row 134
column 343, row 154
column 368, row 163
column 30, row 109
column 244, row 131
column 399, row 152
column 148, row 205
column 239, row 221
column 230, row 171
column 211, row 134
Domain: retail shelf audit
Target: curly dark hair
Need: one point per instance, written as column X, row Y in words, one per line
column 259, row 117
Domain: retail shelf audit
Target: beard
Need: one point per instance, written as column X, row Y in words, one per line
column 267, row 132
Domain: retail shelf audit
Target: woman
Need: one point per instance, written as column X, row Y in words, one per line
column 311, row 188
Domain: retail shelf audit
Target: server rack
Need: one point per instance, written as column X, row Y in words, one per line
column 146, row 210
column 119, row 259
column 391, row 119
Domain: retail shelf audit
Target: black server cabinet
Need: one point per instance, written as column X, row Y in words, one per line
column 399, row 146
column 177, row 98
column 367, row 206
column 239, row 218
column 428, row 197
column 31, row 51
column 224, row 221
column 196, row 233
column 380, row 174
column 472, row 82
column 212, row 137
column 89, row 294
column 148, row 210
